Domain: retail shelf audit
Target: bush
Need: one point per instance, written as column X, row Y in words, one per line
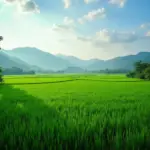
column 140, row 75
column 131, row 74
column 147, row 73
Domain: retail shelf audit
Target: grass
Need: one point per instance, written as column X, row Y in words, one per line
column 90, row 112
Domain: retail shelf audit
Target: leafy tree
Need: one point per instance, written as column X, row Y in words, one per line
column 140, row 67
column 140, row 75
column 147, row 73
column 1, row 79
column 142, row 71
column 16, row 71
column 1, row 39
column 131, row 74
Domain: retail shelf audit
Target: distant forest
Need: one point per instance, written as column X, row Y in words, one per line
column 142, row 71
column 15, row 71
column 112, row 71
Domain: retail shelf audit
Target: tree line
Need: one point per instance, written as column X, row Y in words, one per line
column 16, row 71
column 13, row 71
column 112, row 71
column 1, row 79
column 142, row 71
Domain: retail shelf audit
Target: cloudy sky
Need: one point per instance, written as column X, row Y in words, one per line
column 84, row 28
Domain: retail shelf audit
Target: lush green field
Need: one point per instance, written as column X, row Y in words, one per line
column 74, row 112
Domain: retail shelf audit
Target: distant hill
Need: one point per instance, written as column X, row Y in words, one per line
column 36, row 57
column 78, row 62
column 40, row 60
column 7, row 61
column 125, row 62
column 74, row 70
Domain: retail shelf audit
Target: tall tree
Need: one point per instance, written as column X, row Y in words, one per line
column 142, row 71
column 1, row 39
column 140, row 66
column 1, row 79
column 147, row 73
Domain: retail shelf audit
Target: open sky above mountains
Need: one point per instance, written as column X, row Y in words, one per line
column 85, row 28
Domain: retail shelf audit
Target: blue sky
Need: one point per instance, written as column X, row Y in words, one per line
column 84, row 28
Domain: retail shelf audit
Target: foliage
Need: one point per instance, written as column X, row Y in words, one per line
column 140, row 66
column 16, row 71
column 91, row 113
column 1, row 39
column 131, row 74
column 1, row 78
column 142, row 71
column 147, row 73
column 112, row 71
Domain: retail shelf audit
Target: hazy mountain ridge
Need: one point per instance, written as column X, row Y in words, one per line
column 35, row 58
column 78, row 62
column 8, row 62
column 124, row 62
column 73, row 70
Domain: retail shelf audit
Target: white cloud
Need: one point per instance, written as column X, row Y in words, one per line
column 62, row 28
column 29, row 6
column 10, row 1
column 63, row 32
column 90, row 1
column 116, row 37
column 145, row 25
column 67, row 26
column 61, row 39
column 142, row 26
column 99, row 13
column 105, row 37
column 84, row 39
column 148, row 33
column 117, row 43
column 65, row 39
column 120, row 3
column 26, row 6
column 67, row 3
column 68, row 21
column 81, row 20
column 92, row 15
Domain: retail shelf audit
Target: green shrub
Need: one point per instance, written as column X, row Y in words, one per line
column 147, row 73
column 131, row 74
column 140, row 75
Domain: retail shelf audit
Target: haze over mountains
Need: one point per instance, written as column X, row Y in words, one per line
column 78, row 62
column 36, row 57
column 8, row 62
column 33, row 58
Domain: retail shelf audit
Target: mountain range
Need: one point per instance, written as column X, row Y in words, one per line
column 78, row 62
column 29, row 58
column 8, row 62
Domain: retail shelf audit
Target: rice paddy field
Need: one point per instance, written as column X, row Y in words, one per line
column 74, row 112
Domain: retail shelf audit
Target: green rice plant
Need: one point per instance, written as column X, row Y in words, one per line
column 92, row 112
